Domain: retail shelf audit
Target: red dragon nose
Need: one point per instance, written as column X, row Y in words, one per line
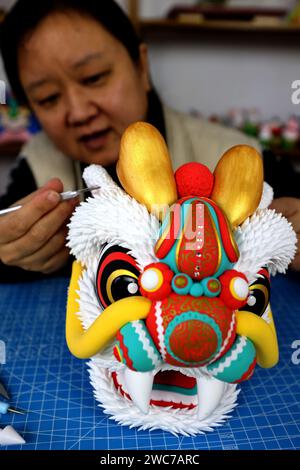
column 189, row 331
column 194, row 341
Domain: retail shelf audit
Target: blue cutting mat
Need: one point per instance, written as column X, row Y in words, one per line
column 45, row 379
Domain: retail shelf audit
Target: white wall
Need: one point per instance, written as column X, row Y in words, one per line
column 214, row 77
column 156, row 8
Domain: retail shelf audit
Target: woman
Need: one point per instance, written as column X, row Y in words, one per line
column 82, row 70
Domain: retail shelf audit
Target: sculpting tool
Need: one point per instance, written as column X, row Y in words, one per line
column 64, row 197
column 6, row 408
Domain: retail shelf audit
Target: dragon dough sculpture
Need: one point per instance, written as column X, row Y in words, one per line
column 174, row 314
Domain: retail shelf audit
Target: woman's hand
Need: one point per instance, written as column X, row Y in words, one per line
column 290, row 208
column 33, row 238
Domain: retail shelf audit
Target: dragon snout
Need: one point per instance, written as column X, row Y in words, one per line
column 193, row 338
column 189, row 331
column 189, row 321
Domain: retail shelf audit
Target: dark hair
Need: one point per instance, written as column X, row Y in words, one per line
column 26, row 15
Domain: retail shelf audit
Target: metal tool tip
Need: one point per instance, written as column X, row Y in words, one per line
column 11, row 409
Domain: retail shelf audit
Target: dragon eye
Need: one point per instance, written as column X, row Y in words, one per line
column 259, row 294
column 117, row 275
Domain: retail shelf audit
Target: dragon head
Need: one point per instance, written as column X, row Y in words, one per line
column 170, row 289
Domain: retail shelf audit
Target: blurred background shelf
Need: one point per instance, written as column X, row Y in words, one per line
column 152, row 27
column 202, row 19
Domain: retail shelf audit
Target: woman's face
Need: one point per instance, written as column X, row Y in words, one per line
column 83, row 86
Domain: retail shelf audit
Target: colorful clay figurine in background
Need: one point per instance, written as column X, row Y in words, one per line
column 266, row 135
column 290, row 134
column 252, row 122
column 272, row 133
column 170, row 290
column 235, row 118
column 294, row 15
column 14, row 122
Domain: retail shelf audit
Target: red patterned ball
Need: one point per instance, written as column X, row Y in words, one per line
column 189, row 331
column 194, row 179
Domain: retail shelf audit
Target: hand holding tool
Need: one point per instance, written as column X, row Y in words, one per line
column 65, row 196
